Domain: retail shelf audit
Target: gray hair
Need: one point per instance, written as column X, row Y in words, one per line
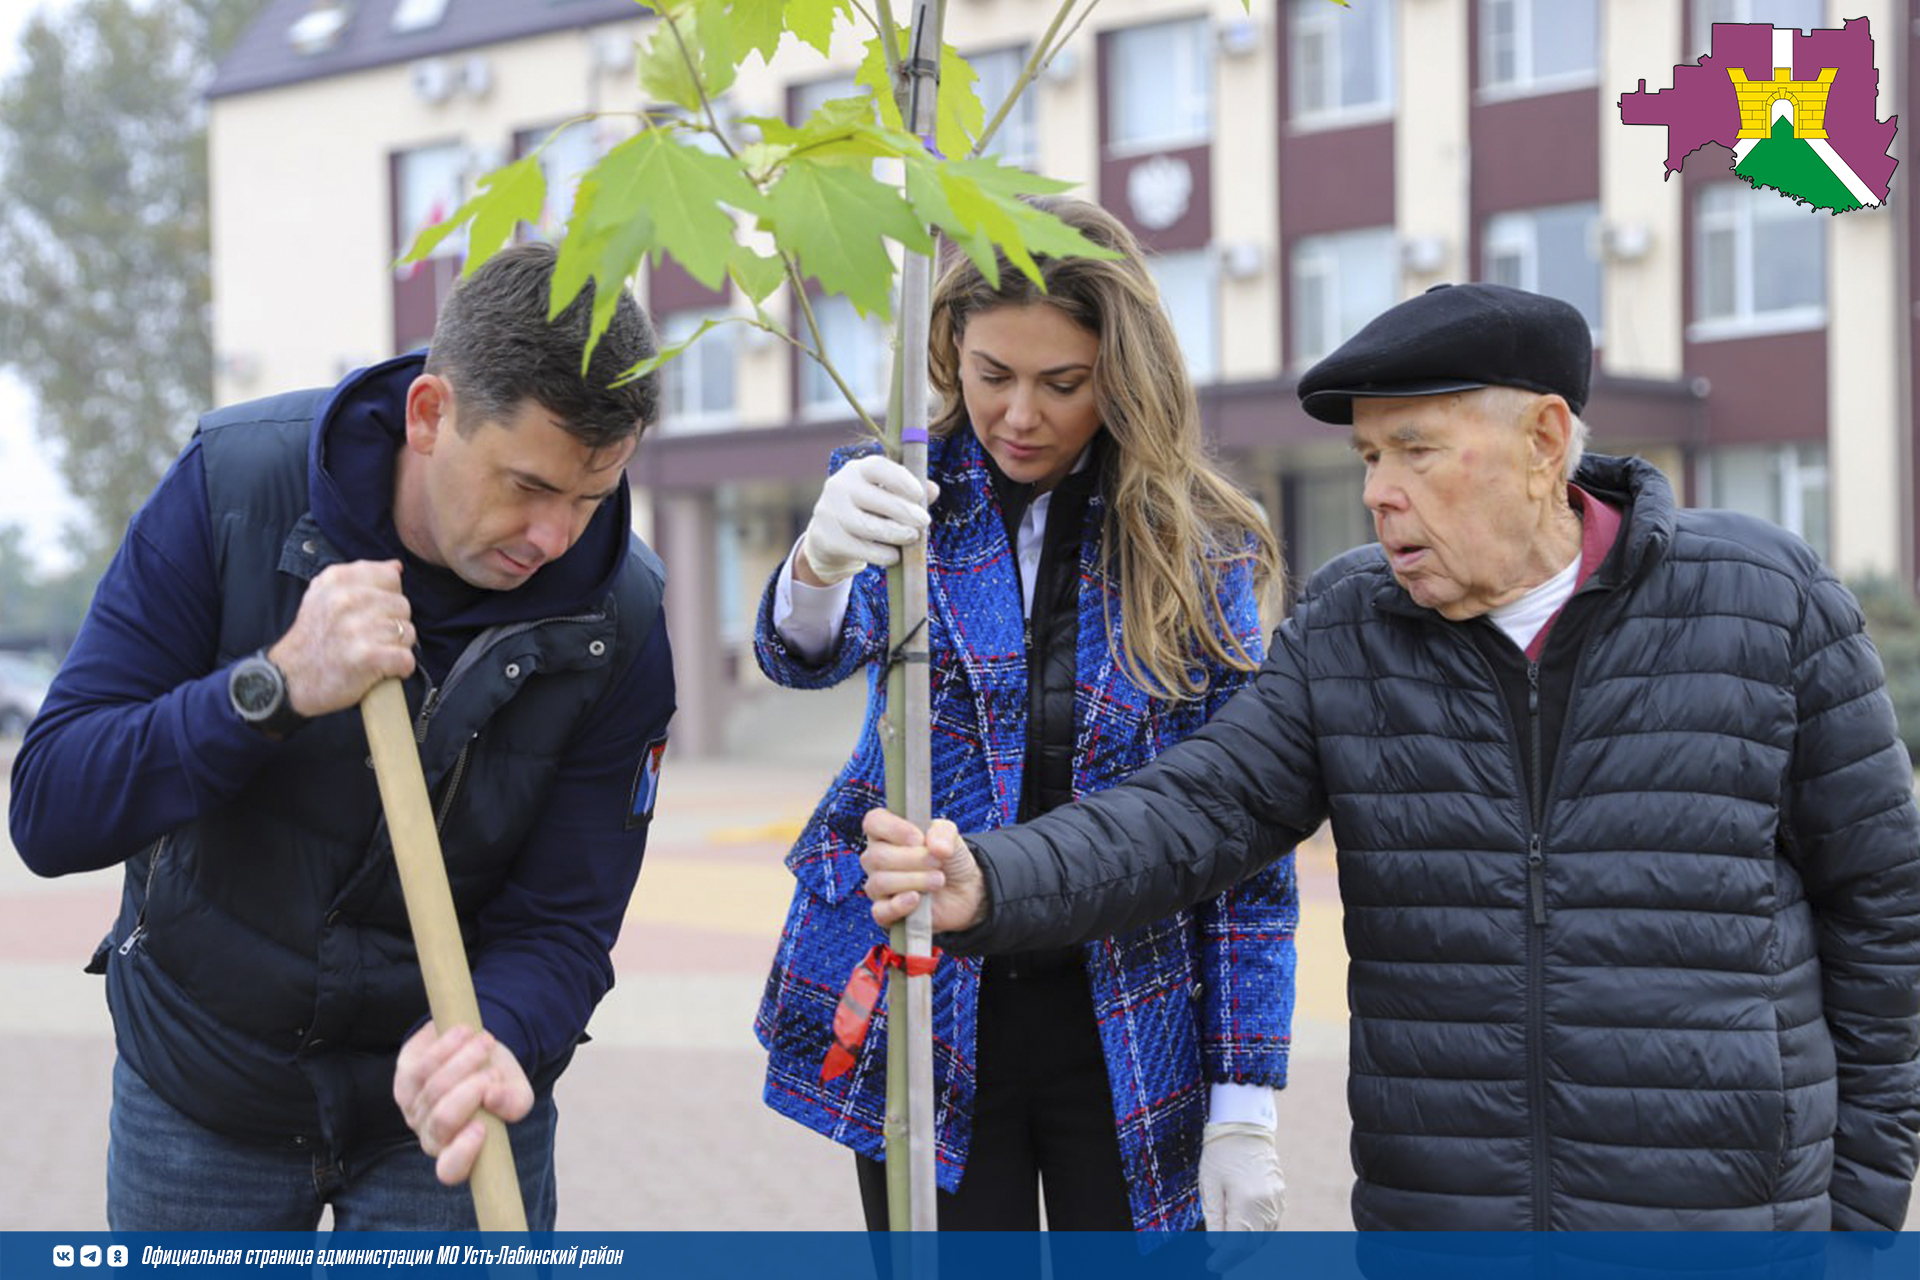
column 1512, row 403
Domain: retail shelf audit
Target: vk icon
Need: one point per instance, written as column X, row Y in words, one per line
column 89, row 1255
column 63, row 1255
column 116, row 1255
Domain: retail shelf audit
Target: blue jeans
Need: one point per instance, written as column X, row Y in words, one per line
column 167, row 1172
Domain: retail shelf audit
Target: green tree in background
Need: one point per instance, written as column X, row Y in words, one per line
column 1893, row 623
column 104, row 303
column 39, row 611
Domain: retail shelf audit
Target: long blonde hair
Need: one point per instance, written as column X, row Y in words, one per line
column 1174, row 524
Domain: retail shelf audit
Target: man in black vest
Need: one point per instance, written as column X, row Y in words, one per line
column 459, row 520
column 1628, row 849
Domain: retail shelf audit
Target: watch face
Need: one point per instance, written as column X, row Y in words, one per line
column 255, row 689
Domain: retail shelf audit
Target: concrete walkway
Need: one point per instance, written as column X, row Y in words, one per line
column 663, row 1127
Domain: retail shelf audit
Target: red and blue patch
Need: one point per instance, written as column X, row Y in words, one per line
column 646, row 784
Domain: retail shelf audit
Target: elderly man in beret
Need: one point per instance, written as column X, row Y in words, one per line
column 1627, row 840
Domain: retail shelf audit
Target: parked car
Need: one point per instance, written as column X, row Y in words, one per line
column 23, row 686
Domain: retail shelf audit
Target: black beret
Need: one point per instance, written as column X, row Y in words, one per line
column 1456, row 337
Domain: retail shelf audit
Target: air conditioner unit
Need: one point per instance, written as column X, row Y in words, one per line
column 476, row 76
column 613, row 51
column 1625, row 241
column 1423, row 254
column 1241, row 259
column 1238, row 37
column 432, row 79
column 319, row 29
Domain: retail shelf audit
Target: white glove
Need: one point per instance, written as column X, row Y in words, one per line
column 867, row 511
column 1241, row 1187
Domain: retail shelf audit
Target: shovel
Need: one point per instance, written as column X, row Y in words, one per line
column 436, row 929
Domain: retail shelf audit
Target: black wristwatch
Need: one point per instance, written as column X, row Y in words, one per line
column 258, row 691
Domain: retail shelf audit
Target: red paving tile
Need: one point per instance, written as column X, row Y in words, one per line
column 647, row 946
column 55, row 925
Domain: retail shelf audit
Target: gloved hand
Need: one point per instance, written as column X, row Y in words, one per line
column 867, row 511
column 1241, row 1186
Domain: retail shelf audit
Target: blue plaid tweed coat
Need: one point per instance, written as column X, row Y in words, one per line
column 1199, row 997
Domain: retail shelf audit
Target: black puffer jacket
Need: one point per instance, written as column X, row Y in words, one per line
column 1712, row 1018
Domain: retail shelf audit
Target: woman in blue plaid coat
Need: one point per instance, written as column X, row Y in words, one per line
column 1093, row 591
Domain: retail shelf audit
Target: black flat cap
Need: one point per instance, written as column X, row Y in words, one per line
column 1456, row 337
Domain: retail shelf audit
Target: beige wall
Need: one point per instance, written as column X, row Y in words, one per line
column 1430, row 157
column 1246, row 183
column 1868, row 434
column 1640, row 296
column 302, row 204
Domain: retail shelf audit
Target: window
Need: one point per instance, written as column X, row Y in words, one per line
column 858, row 349
column 1159, row 86
column 1339, row 283
column 697, row 385
column 1189, row 289
column 564, row 160
column 1759, row 262
column 1017, row 143
column 1551, row 251
column 1804, row 14
column 427, row 186
column 1340, row 61
column 1784, row 483
column 1529, row 46
column 417, row 15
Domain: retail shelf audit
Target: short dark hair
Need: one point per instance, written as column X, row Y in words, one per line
column 493, row 343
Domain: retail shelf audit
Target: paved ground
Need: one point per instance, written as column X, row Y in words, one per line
column 663, row 1127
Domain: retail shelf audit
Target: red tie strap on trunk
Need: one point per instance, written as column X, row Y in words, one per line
column 854, row 1015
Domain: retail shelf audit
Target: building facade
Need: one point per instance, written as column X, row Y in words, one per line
column 1295, row 171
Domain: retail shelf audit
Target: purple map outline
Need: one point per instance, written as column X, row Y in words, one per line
column 1701, row 107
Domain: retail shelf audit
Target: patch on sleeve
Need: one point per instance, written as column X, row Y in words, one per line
column 646, row 784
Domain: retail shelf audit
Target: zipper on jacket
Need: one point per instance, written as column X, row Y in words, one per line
column 469, row 658
column 1536, row 855
column 140, row 925
column 1537, row 960
column 427, row 706
column 453, row 785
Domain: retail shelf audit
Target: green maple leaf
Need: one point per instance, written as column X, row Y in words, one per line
column 690, row 191
column 604, row 249
column 506, row 197
column 685, row 194
column 929, row 200
column 640, row 369
column 958, row 117
column 652, row 194
column 812, row 20
column 762, row 158
column 842, row 131
column 834, row 217
column 755, row 25
column 697, row 32
column 977, row 204
column 757, row 274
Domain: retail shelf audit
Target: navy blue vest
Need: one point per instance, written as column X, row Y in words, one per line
column 262, row 974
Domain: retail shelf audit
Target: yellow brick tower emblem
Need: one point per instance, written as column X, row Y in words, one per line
column 1808, row 97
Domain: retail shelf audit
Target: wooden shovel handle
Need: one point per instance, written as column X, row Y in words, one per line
column 436, row 928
